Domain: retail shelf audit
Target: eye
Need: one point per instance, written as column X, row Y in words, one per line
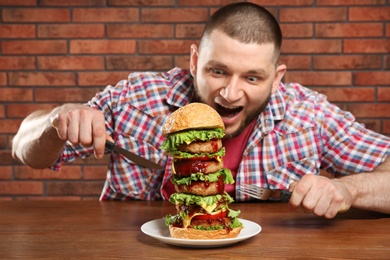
column 252, row 79
column 217, row 71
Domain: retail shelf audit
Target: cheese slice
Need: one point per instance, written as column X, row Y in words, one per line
column 173, row 167
column 187, row 220
column 209, row 208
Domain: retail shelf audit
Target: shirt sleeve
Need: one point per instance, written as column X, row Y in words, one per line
column 103, row 101
column 349, row 147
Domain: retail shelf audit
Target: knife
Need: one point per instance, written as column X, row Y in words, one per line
column 133, row 157
column 113, row 147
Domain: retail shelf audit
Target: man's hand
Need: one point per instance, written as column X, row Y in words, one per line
column 320, row 195
column 81, row 124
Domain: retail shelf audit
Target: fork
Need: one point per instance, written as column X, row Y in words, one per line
column 262, row 193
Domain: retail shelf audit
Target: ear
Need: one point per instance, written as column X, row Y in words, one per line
column 280, row 71
column 193, row 59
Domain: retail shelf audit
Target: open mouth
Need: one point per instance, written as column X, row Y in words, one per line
column 228, row 112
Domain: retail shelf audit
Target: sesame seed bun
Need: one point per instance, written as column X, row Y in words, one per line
column 192, row 116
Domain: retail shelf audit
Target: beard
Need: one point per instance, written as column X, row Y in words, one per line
column 250, row 115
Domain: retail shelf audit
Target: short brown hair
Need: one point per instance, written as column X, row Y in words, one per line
column 247, row 23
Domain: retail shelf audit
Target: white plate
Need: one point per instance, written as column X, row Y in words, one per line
column 157, row 229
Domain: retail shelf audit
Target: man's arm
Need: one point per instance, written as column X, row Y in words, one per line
column 39, row 144
column 370, row 191
column 326, row 197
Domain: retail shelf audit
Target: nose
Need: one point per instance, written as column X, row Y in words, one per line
column 233, row 90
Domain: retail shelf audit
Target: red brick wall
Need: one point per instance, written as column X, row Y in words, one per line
column 56, row 51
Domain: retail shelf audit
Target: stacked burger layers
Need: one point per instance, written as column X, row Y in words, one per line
column 194, row 140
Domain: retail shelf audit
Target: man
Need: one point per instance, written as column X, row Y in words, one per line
column 278, row 135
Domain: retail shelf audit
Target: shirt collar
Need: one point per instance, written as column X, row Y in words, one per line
column 274, row 111
column 182, row 90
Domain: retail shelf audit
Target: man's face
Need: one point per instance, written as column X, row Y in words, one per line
column 235, row 78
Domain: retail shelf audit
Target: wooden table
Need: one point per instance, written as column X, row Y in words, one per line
column 109, row 230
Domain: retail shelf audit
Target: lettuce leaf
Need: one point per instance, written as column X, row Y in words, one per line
column 185, row 155
column 207, row 228
column 172, row 142
column 233, row 213
column 211, row 177
column 235, row 223
column 188, row 199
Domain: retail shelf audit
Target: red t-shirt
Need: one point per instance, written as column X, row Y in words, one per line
column 234, row 149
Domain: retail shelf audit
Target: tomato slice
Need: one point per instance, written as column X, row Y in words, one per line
column 221, row 214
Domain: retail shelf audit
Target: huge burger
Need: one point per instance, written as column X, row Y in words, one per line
column 193, row 138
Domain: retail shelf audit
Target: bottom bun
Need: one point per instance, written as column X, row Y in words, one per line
column 191, row 233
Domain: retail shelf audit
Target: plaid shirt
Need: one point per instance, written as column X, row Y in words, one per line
column 298, row 133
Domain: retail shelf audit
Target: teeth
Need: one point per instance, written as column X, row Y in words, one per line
column 226, row 107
